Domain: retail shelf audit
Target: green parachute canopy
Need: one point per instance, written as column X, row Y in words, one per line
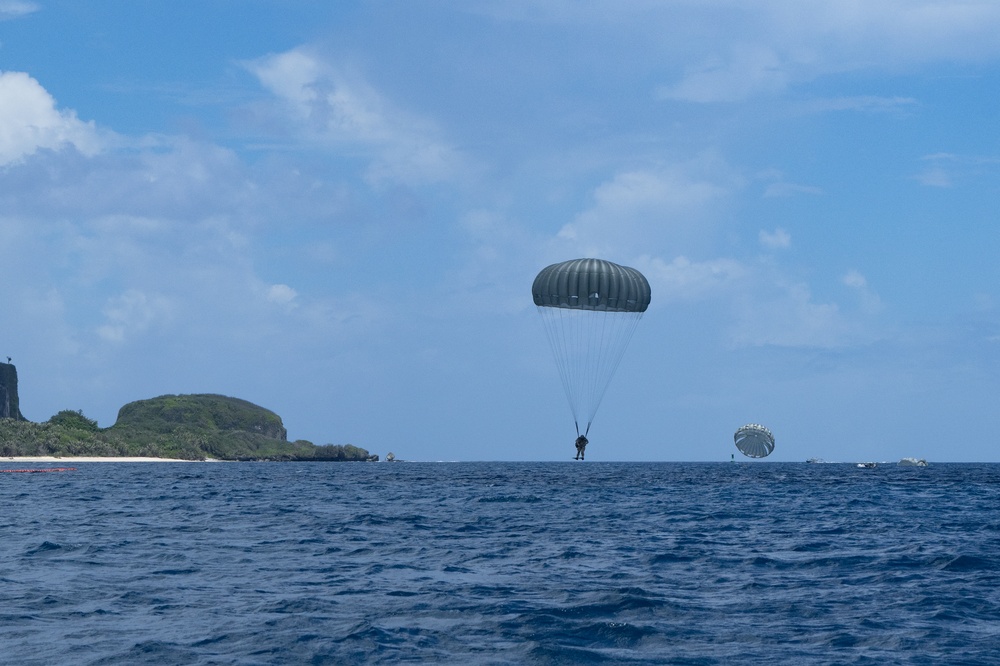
column 591, row 284
column 590, row 309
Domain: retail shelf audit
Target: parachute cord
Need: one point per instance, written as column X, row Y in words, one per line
column 588, row 347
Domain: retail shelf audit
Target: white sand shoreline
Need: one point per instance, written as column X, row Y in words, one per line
column 81, row 459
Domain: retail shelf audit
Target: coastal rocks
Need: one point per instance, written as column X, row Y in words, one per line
column 912, row 462
column 9, row 404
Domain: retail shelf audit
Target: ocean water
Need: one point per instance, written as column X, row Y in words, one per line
column 500, row 563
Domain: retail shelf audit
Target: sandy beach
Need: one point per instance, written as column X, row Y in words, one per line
column 82, row 459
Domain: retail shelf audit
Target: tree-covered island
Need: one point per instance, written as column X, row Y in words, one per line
column 188, row 427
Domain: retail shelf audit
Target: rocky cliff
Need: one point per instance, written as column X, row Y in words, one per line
column 9, row 405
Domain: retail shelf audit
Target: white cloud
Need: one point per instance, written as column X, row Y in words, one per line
column 782, row 189
column 640, row 209
column 763, row 308
column 783, row 43
column 778, row 186
column 331, row 105
column 11, row 9
column 281, row 294
column 130, row 313
column 870, row 301
column 775, row 240
column 684, row 280
column 948, row 157
column 871, row 103
column 748, row 70
column 944, row 168
column 29, row 121
column 788, row 317
column 934, row 177
column 854, row 279
column 646, row 190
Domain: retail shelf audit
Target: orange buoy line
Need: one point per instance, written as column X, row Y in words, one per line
column 41, row 469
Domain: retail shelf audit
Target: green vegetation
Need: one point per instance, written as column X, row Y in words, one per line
column 74, row 421
column 189, row 427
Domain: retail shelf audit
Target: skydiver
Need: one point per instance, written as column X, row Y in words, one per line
column 581, row 444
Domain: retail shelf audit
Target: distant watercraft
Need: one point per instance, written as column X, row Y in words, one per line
column 867, row 465
column 913, row 462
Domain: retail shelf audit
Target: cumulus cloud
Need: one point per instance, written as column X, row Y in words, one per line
column 870, row 301
column 30, row 121
column 329, row 104
column 281, row 294
column 639, row 208
column 684, row 280
column 775, row 240
column 854, row 279
column 763, row 308
column 131, row 312
column 787, row 316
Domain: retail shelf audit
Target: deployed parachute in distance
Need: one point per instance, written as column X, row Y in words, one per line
column 589, row 308
column 754, row 440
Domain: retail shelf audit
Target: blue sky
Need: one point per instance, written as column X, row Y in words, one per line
column 336, row 211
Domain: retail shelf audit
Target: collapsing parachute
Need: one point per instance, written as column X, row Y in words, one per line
column 589, row 308
column 754, row 440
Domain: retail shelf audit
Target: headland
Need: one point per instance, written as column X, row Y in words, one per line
column 186, row 427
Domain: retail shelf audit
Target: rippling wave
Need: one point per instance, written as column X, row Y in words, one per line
column 500, row 563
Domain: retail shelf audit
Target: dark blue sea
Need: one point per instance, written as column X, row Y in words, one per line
column 500, row 563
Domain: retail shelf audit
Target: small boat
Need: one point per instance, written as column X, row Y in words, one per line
column 867, row 465
column 912, row 462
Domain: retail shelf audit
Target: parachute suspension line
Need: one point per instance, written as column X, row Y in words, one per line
column 559, row 341
column 610, row 338
column 588, row 347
